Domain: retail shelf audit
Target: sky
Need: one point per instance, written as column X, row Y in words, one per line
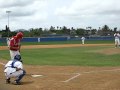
column 26, row 14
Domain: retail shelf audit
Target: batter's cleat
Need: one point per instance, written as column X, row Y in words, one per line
column 8, row 81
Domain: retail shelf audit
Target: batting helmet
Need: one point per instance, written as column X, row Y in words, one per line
column 19, row 35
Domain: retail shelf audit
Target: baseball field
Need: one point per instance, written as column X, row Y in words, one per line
column 67, row 66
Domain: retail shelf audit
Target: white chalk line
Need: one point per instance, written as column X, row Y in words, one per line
column 36, row 75
column 78, row 74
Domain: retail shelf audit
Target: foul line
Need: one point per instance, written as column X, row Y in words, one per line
column 78, row 74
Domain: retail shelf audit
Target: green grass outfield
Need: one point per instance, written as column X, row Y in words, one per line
column 75, row 56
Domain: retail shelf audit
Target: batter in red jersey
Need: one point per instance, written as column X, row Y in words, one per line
column 14, row 45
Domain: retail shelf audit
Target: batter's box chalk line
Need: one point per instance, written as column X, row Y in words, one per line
column 77, row 75
column 36, row 75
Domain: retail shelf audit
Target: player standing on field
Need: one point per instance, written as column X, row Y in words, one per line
column 117, row 39
column 83, row 40
column 14, row 45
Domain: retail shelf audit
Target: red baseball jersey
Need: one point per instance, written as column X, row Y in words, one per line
column 14, row 42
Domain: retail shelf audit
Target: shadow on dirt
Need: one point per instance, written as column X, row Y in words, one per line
column 27, row 82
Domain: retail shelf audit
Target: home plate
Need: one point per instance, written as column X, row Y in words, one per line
column 36, row 75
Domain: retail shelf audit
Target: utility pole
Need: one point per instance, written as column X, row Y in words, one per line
column 8, row 12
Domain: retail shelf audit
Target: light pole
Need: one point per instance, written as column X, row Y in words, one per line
column 8, row 12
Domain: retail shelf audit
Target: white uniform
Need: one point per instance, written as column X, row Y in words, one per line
column 8, row 42
column 10, row 70
column 83, row 40
column 117, row 40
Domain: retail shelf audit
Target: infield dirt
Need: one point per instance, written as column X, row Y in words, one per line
column 65, row 77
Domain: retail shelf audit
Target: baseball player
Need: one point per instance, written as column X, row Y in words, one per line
column 14, row 44
column 8, row 42
column 83, row 40
column 117, row 41
column 14, row 69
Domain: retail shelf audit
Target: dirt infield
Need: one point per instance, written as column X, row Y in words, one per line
column 55, row 46
column 65, row 77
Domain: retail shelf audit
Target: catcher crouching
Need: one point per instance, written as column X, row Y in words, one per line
column 14, row 69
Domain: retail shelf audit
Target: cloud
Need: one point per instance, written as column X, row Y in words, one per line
column 93, row 12
column 22, row 7
column 38, row 13
column 14, row 3
column 84, row 8
column 27, row 12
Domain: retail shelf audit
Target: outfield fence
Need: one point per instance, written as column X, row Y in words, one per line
column 46, row 39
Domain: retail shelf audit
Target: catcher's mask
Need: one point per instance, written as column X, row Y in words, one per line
column 17, row 57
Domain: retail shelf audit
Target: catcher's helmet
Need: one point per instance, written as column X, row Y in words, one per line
column 19, row 35
column 17, row 57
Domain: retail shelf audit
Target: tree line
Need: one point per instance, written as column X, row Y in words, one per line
column 40, row 32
